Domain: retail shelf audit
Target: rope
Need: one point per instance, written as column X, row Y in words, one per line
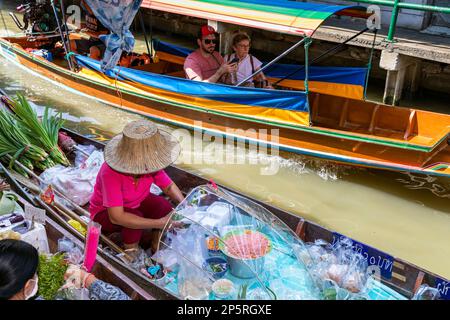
column 320, row 57
column 24, row 151
column 306, row 46
column 70, row 54
column 151, row 33
column 119, row 93
column 369, row 63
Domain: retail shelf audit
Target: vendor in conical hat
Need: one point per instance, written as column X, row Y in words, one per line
column 134, row 160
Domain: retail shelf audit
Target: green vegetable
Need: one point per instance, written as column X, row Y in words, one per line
column 44, row 132
column 272, row 293
column 29, row 140
column 217, row 267
column 15, row 143
column 51, row 272
column 242, row 295
column 329, row 294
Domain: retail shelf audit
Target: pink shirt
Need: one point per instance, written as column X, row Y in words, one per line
column 114, row 189
column 199, row 68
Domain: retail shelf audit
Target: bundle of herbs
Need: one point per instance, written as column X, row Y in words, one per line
column 51, row 272
column 43, row 132
column 15, row 143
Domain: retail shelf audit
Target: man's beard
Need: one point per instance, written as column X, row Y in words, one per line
column 210, row 50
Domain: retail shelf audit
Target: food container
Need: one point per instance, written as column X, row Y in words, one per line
column 194, row 289
column 243, row 267
column 220, row 212
column 211, row 265
column 212, row 243
column 223, row 288
column 162, row 281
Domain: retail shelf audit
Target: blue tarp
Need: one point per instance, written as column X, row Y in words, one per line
column 287, row 100
column 117, row 16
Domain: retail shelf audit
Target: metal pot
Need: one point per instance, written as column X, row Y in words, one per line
column 245, row 268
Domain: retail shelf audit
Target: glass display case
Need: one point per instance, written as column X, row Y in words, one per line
column 218, row 245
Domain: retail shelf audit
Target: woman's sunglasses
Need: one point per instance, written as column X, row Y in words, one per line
column 209, row 41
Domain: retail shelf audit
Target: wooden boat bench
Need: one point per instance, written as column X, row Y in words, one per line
column 398, row 126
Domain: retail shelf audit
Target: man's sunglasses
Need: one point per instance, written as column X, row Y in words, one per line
column 209, row 41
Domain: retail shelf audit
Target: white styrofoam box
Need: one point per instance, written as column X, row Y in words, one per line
column 222, row 211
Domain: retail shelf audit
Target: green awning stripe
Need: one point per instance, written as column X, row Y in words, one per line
column 320, row 15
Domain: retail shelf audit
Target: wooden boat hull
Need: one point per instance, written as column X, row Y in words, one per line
column 340, row 146
column 396, row 273
column 108, row 267
column 102, row 269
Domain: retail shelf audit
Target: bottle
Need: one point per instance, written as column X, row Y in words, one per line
column 90, row 249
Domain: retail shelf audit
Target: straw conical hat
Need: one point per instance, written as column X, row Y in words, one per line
column 141, row 148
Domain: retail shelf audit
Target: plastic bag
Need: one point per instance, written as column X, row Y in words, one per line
column 425, row 292
column 72, row 253
column 80, row 157
column 191, row 242
column 167, row 258
column 72, row 294
column 356, row 277
column 193, row 284
column 7, row 202
column 76, row 183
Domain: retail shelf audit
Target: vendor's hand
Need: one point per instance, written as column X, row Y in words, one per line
column 172, row 224
column 77, row 277
column 74, row 277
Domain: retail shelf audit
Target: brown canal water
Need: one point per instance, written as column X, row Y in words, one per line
column 407, row 216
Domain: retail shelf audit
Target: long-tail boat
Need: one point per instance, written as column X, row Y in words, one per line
column 333, row 124
column 399, row 275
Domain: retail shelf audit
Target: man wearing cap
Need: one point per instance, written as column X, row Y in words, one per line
column 134, row 160
column 206, row 64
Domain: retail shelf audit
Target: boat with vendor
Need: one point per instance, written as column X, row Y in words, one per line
column 317, row 111
column 216, row 243
column 42, row 260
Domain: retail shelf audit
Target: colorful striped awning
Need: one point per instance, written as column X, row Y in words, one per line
column 293, row 17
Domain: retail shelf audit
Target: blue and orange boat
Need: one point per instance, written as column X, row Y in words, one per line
column 318, row 112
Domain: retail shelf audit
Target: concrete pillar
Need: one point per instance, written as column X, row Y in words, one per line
column 224, row 30
column 401, row 70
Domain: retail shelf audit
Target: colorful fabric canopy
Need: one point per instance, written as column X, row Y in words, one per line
column 293, row 17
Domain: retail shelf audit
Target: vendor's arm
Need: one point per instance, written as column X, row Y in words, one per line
column 78, row 278
column 117, row 215
column 166, row 184
column 174, row 193
column 100, row 290
column 113, row 201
